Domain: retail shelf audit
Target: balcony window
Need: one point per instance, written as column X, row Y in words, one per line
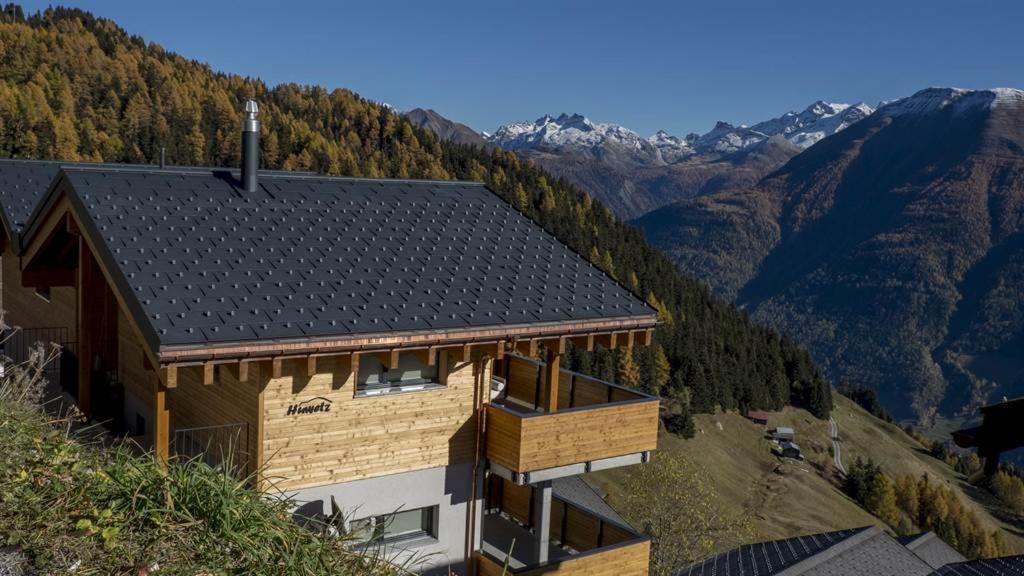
column 411, row 373
column 400, row 526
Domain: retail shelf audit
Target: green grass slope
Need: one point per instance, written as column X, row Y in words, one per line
column 785, row 498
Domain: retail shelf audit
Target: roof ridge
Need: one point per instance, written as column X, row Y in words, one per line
column 274, row 174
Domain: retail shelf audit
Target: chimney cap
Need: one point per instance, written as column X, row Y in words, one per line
column 250, row 123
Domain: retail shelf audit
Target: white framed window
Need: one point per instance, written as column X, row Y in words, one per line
column 400, row 526
column 410, row 374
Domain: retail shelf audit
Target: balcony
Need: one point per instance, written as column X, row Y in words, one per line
column 576, row 540
column 595, row 424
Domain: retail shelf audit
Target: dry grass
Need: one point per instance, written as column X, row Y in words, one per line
column 785, row 498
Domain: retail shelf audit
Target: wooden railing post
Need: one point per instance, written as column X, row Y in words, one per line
column 161, row 423
column 551, row 372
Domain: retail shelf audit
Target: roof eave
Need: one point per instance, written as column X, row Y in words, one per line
column 400, row 339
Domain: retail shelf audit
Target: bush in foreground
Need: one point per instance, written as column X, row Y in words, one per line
column 73, row 507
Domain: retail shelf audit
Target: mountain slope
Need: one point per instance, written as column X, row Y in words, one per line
column 785, row 499
column 912, row 220
column 444, row 128
column 634, row 175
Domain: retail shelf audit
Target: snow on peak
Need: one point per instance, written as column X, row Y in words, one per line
column 672, row 148
column 956, row 99
column 573, row 130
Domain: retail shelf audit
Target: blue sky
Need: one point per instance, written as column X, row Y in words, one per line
column 647, row 65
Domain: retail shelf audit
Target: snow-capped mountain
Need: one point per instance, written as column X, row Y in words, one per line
column 932, row 99
column 577, row 132
column 565, row 130
column 673, row 148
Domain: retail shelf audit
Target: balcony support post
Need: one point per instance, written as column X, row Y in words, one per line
column 542, row 519
column 551, row 371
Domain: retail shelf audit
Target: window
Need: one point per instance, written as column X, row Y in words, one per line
column 410, row 374
column 43, row 293
column 404, row 525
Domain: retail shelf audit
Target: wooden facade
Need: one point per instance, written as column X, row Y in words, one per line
column 365, row 436
column 630, row 558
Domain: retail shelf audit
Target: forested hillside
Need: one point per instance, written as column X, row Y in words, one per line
column 76, row 87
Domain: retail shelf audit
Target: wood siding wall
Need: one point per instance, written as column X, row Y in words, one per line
column 26, row 309
column 536, row 442
column 363, row 437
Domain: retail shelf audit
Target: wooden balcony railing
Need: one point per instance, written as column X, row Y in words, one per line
column 594, row 420
column 581, row 542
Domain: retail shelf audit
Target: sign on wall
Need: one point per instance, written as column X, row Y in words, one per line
column 311, row 406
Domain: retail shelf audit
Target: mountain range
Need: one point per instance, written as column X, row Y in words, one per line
column 894, row 249
column 633, row 175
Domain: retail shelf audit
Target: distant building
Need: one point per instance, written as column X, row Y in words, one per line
column 791, row 450
column 867, row 551
column 1000, row 431
column 781, row 433
column 758, row 417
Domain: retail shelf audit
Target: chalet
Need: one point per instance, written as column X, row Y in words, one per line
column 782, row 434
column 1000, row 431
column 789, row 449
column 392, row 346
column 758, row 417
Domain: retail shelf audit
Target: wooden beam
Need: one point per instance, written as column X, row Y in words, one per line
column 161, row 424
column 608, row 340
column 556, row 344
column 170, row 376
column 499, row 353
column 243, row 371
column 310, row 366
column 354, row 365
column 276, row 369
column 527, row 348
column 584, row 342
column 389, row 359
column 48, row 277
column 630, row 339
column 208, row 373
column 442, row 367
column 551, row 371
column 432, row 356
column 467, row 353
column 84, row 322
column 647, row 337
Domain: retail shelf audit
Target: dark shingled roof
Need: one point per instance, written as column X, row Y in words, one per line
column 932, row 549
column 307, row 257
column 577, row 491
column 1007, row 566
column 22, row 184
column 767, row 558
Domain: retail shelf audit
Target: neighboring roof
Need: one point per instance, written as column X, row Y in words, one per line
column 783, row 430
column 309, row 257
column 854, row 552
column 768, row 558
column 932, row 549
column 757, row 415
column 1007, row 566
column 577, row 491
column 789, row 444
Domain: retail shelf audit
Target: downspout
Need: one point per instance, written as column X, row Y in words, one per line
column 481, row 414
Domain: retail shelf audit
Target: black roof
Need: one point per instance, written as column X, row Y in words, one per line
column 307, row 257
column 767, row 558
column 1006, row 566
column 22, row 184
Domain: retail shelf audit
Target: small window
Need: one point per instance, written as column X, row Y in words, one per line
column 410, row 374
column 404, row 525
column 43, row 293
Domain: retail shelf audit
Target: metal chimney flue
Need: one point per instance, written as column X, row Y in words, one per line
column 250, row 146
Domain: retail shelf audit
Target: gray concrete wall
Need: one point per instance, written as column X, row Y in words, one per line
column 449, row 488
